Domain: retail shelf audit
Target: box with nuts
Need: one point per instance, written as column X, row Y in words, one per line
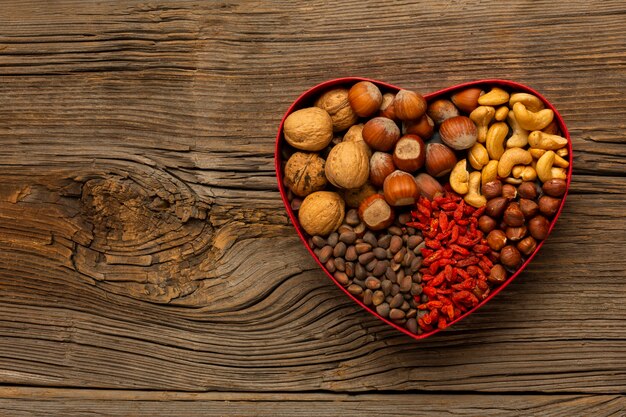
column 422, row 208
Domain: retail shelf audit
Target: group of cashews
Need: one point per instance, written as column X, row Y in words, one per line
column 533, row 150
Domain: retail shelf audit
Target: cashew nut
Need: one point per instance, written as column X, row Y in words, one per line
column 473, row 197
column 532, row 120
column 531, row 102
column 519, row 138
column 495, row 139
column 482, row 116
column 459, row 177
column 544, row 166
column 524, row 172
column 541, row 140
column 514, row 181
column 558, row 173
column 501, row 113
column 558, row 161
column 490, row 172
column 495, row 97
column 537, row 153
column 512, row 157
column 478, row 156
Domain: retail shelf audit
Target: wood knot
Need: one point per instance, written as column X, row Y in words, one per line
column 147, row 233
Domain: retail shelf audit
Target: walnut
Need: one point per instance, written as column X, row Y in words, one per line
column 308, row 129
column 347, row 165
column 321, row 213
column 336, row 103
column 304, row 173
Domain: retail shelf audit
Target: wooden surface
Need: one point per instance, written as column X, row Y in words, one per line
column 146, row 263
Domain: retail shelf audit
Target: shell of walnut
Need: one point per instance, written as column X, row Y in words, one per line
column 304, row 173
column 347, row 165
column 321, row 213
column 336, row 103
column 308, row 129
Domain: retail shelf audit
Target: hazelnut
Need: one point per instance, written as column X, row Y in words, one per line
column 555, row 187
column 381, row 134
column 496, row 239
column 548, row 206
column 492, row 189
column 375, row 212
column 429, row 186
column 509, row 191
column 387, row 109
column 458, row 132
column 528, row 207
column 409, row 105
column 527, row 245
column 304, row 173
column 381, row 165
column 355, row 197
column 497, row 275
column 296, row 203
column 347, row 165
column 321, row 213
column 409, row 153
column 442, row 110
column 538, row 227
column 516, row 233
column 527, row 190
column 309, row 129
column 400, row 189
column 336, row 103
column 424, row 127
column 495, row 207
column 355, row 134
column 439, row 159
column 365, row 98
column 510, row 257
column 486, row 224
column 467, row 100
column 513, row 216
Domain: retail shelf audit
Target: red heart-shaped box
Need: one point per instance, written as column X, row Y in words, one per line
column 307, row 98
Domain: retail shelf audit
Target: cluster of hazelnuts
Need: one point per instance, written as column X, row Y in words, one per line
column 516, row 219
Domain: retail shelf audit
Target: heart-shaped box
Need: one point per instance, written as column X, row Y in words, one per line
column 306, row 99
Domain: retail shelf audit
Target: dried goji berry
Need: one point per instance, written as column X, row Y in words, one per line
column 443, row 221
column 433, row 244
column 459, row 249
column 472, row 260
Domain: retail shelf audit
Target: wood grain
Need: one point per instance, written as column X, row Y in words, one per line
column 21, row 402
column 143, row 243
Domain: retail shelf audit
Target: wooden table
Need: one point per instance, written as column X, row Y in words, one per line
column 147, row 266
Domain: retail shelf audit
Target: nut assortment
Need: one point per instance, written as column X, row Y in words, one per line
column 421, row 209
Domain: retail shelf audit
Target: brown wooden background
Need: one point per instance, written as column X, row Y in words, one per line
column 147, row 266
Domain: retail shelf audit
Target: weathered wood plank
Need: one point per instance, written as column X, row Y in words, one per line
column 22, row 402
column 143, row 243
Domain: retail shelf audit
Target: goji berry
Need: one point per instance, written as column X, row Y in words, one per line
column 443, row 221
column 472, row 260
